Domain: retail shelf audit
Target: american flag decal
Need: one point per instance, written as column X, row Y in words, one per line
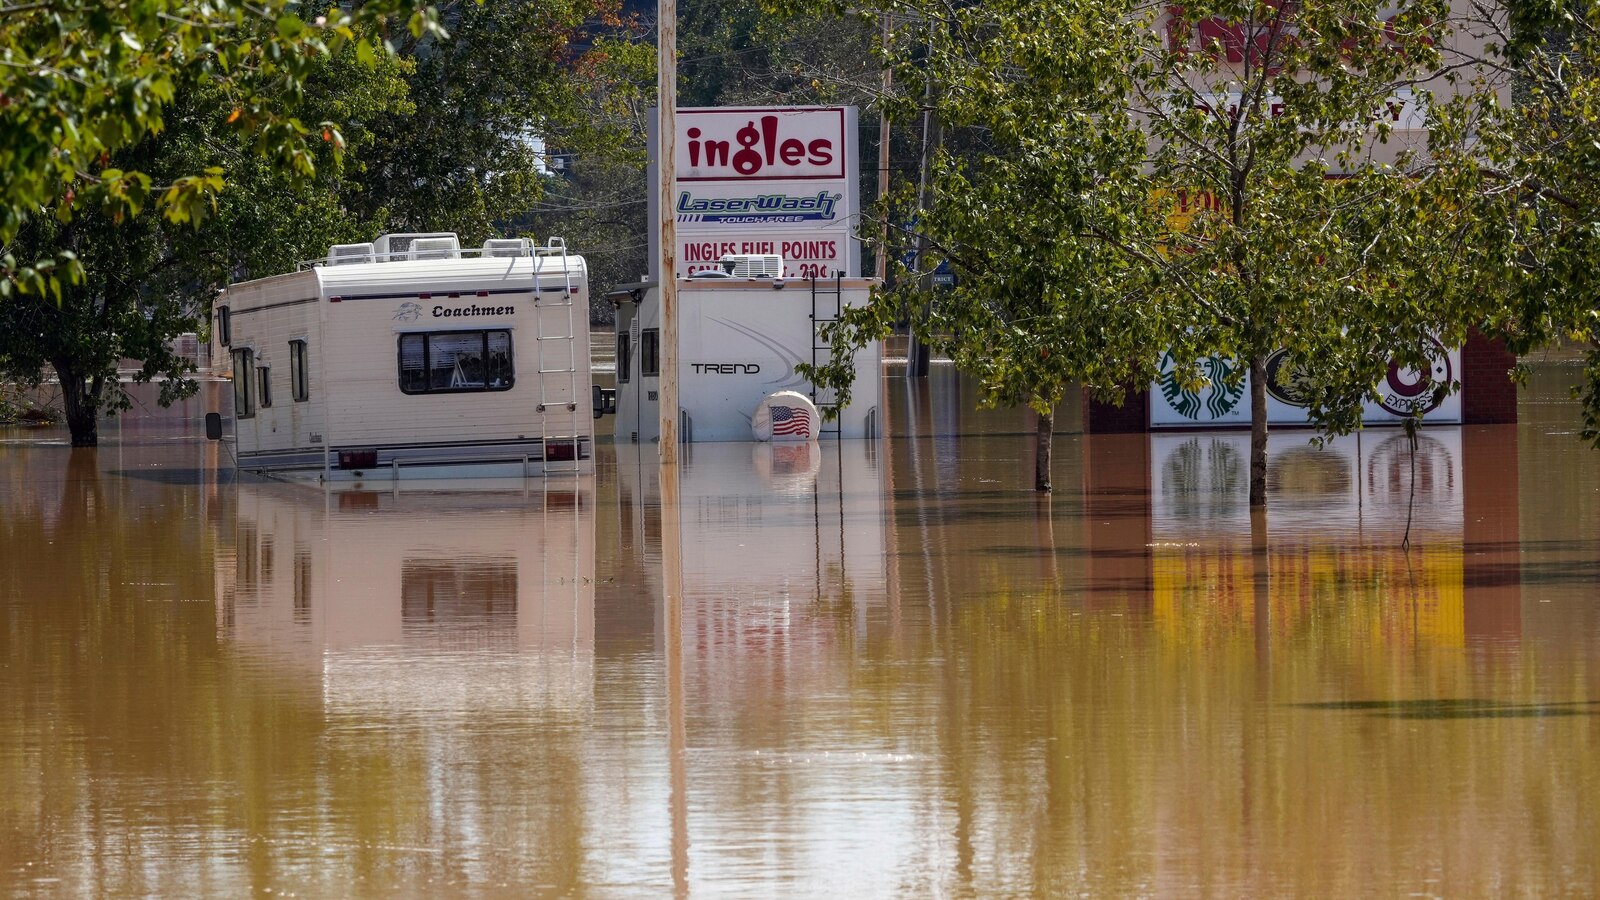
column 790, row 420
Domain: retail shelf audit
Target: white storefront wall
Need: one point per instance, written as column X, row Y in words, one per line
column 1218, row 404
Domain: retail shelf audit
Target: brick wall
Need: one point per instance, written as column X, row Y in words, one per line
column 1132, row 417
column 1117, row 511
column 1488, row 396
column 1491, row 535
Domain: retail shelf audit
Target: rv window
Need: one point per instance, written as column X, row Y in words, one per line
column 299, row 385
column 444, row 362
column 224, row 326
column 266, row 386
column 243, row 397
column 650, row 353
column 623, row 352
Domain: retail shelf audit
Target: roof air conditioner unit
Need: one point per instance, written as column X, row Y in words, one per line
column 392, row 247
column 435, row 248
column 349, row 254
column 752, row 265
column 507, row 247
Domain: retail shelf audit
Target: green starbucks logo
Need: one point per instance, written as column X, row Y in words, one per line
column 1215, row 399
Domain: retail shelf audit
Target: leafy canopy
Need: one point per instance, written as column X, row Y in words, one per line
column 1534, row 180
column 81, row 80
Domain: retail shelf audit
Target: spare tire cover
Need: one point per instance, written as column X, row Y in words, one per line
column 785, row 416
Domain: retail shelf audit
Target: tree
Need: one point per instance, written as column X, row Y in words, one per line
column 595, row 196
column 1033, row 201
column 99, row 320
column 515, row 83
column 1069, row 221
column 144, row 279
column 1534, row 183
column 1328, row 235
column 82, row 81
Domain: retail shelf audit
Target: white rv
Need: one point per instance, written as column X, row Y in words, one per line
column 739, row 340
column 410, row 356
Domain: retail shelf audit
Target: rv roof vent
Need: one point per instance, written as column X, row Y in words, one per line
column 751, row 265
column 346, row 254
column 398, row 246
column 507, row 247
column 435, row 248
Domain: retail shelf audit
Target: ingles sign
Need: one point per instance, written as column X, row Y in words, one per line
column 765, row 180
column 761, row 144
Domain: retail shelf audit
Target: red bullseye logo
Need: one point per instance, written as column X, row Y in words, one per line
column 1406, row 391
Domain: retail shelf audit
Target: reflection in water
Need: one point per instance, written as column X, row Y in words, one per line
column 887, row 671
column 1419, row 593
column 390, row 588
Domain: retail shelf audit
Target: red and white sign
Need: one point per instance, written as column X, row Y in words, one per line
column 771, row 144
column 803, row 257
column 765, row 180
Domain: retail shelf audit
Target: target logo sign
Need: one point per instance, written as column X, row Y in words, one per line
column 1406, row 391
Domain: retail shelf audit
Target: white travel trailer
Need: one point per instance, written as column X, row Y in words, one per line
column 739, row 340
column 410, row 356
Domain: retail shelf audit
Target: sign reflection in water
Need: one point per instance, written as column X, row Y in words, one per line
column 777, row 540
column 931, row 684
column 1338, row 517
column 786, row 579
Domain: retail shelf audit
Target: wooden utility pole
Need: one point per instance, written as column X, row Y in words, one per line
column 917, row 353
column 882, row 268
column 667, row 166
column 671, row 521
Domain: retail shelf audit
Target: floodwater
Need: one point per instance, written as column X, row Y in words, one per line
column 868, row 670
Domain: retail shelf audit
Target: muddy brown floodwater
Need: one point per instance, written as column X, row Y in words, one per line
column 879, row 669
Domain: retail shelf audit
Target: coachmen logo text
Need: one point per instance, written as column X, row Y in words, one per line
column 766, row 208
column 445, row 312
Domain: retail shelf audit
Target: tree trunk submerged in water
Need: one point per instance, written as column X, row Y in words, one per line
column 80, row 399
column 1041, row 465
column 1258, row 430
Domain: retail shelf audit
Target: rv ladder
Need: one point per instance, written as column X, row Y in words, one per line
column 827, row 305
column 555, row 338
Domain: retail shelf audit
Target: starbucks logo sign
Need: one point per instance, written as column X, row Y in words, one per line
column 1285, row 379
column 1213, row 400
